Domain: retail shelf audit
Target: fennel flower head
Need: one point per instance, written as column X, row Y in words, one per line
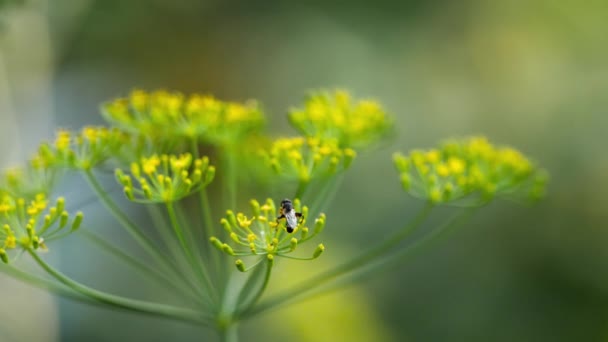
column 335, row 115
column 262, row 233
column 171, row 115
column 302, row 158
column 30, row 225
column 165, row 178
column 469, row 171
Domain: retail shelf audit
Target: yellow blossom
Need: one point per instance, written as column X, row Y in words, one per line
column 334, row 115
column 262, row 235
column 462, row 168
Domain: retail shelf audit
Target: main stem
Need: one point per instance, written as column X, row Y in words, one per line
column 229, row 333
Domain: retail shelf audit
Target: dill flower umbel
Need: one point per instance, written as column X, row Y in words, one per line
column 306, row 158
column 27, row 181
column 84, row 150
column 335, row 115
column 472, row 166
column 31, row 224
column 165, row 178
column 169, row 115
column 262, row 234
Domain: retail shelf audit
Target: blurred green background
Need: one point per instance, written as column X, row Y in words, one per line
column 531, row 74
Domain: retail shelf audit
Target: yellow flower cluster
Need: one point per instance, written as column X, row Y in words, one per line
column 335, row 115
column 165, row 178
column 306, row 158
column 168, row 115
column 460, row 168
column 27, row 181
column 84, row 150
column 263, row 234
column 29, row 224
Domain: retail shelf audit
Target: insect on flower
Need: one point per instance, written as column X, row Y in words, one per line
column 290, row 215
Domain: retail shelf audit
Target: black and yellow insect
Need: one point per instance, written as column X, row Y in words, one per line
column 290, row 215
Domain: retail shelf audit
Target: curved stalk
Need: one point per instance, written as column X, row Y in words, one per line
column 129, row 226
column 246, row 301
column 150, row 272
column 140, row 306
column 383, row 264
column 42, row 283
column 417, row 246
column 180, row 262
column 197, row 267
column 302, row 186
column 357, row 263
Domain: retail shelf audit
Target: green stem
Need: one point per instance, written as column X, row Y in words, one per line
column 357, row 263
column 206, row 218
column 302, row 186
column 326, row 194
column 229, row 333
column 180, row 262
column 131, row 228
column 260, row 291
column 226, row 323
column 231, row 181
column 209, row 229
column 155, row 309
column 198, row 268
column 208, row 224
column 51, row 286
column 389, row 261
column 190, row 235
column 229, row 201
column 152, row 273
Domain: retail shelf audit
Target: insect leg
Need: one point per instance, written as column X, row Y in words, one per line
column 300, row 216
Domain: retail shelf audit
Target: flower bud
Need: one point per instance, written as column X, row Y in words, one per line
column 320, row 249
column 319, row 224
column 210, row 174
column 240, row 265
column 3, row 255
column 293, row 244
column 128, row 193
column 227, row 249
column 77, row 221
column 64, row 219
column 216, row 242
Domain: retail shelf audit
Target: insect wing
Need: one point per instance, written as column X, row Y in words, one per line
column 291, row 218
